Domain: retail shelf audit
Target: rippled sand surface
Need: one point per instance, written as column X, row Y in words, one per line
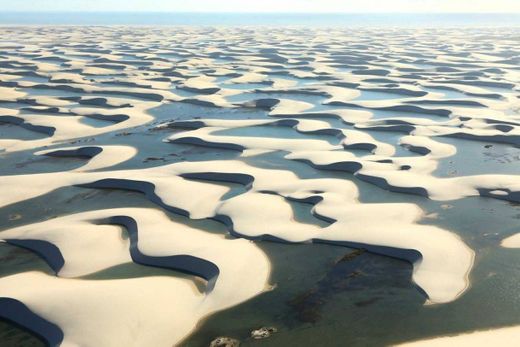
column 168, row 185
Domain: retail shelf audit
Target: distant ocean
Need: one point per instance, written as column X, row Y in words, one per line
column 255, row 19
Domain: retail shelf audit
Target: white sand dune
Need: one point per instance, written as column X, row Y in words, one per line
column 512, row 241
column 355, row 108
column 153, row 304
column 500, row 337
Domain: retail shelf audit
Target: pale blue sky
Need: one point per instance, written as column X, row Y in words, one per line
column 265, row 5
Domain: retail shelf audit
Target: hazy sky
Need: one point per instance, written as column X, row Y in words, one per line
column 265, row 5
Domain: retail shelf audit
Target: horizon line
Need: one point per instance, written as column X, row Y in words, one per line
column 262, row 12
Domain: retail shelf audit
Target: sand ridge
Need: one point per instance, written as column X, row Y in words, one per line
column 366, row 104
